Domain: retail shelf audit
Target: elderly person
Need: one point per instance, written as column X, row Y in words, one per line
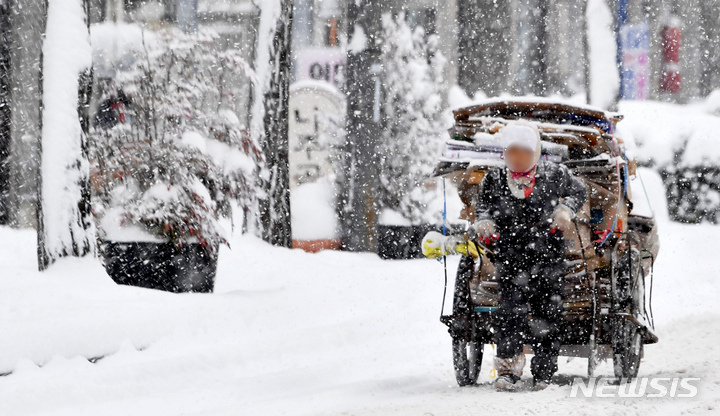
column 529, row 204
column 526, row 206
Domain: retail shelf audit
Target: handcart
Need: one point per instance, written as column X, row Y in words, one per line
column 607, row 293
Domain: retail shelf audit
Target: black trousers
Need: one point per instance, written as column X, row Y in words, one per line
column 530, row 310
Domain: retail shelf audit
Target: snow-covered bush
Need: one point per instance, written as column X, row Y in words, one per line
column 180, row 158
column 680, row 142
column 693, row 193
column 412, row 67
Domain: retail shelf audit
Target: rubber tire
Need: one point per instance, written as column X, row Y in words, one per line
column 467, row 352
column 467, row 360
column 627, row 350
column 627, row 339
column 462, row 304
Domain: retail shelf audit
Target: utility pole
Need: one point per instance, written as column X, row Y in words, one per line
column 363, row 125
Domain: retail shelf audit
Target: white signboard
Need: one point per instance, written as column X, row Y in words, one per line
column 312, row 105
column 321, row 64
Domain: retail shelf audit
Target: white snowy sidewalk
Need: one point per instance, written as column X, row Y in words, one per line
column 299, row 334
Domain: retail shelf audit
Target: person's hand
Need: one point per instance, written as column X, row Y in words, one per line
column 485, row 230
column 561, row 219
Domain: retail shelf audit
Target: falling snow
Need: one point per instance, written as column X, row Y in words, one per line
column 302, row 162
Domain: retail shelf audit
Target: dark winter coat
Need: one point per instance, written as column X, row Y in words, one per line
column 524, row 224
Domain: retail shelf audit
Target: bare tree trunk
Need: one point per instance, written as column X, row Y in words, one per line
column 531, row 77
column 85, row 93
column 363, row 124
column 44, row 258
column 275, row 206
column 5, row 132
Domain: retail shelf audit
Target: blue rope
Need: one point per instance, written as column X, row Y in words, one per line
column 444, row 215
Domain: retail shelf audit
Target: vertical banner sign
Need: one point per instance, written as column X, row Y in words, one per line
column 671, row 78
column 635, row 71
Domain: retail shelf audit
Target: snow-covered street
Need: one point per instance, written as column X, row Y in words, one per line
column 183, row 148
column 294, row 333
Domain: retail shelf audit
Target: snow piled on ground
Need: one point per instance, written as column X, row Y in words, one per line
column 289, row 332
column 312, row 211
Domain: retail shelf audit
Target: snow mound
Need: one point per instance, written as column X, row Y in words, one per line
column 662, row 130
column 312, row 210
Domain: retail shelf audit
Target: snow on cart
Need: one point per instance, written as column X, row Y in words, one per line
column 609, row 259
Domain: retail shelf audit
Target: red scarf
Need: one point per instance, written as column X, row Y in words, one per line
column 530, row 173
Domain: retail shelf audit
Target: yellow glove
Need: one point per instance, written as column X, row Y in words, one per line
column 436, row 245
column 469, row 248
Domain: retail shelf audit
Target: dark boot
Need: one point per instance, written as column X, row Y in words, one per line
column 540, row 384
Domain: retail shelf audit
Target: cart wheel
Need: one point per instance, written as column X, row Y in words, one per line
column 627, row 349
column 592, row 360
column 461, row 297
column 467, row 360
column 467, row 351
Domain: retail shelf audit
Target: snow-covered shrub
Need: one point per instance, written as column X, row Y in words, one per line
column 412, row 67
column 692, row 178
column 693, row 193
column 180, row 158
column 680, row 142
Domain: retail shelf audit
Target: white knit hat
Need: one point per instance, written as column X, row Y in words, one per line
column 521, row 134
